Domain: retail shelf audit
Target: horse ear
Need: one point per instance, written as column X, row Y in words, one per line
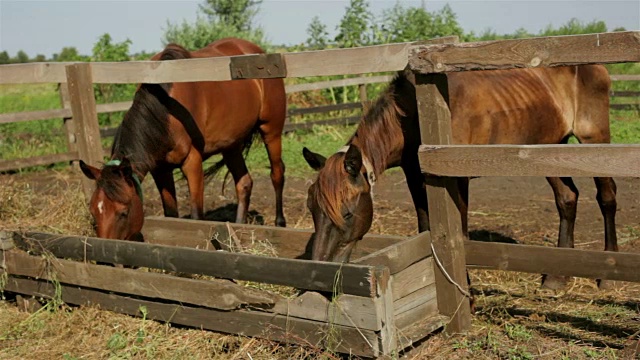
column 125, row 167
column 316, row 161
column 89, row 171
column 353, row 161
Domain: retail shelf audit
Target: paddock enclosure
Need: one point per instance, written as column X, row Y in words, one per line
column 397, row 290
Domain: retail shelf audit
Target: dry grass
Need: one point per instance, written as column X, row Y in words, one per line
column 515, row 319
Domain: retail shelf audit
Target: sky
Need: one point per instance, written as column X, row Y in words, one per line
column 46, row 26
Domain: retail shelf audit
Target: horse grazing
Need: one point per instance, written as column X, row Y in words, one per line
column 180, row 125
column 522, row 106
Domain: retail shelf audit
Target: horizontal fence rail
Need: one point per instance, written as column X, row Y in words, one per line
column 589, row 160
column 604, row 48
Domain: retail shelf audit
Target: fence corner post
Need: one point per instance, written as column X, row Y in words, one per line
column 445, row 217
column 85, row 117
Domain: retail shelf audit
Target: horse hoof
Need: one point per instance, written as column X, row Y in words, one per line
column 281, row 223
column 554, row 282
column 606, row 284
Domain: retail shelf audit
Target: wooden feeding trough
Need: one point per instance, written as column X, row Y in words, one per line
column 382, row 302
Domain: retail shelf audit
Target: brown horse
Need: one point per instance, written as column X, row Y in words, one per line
column 523, row 106
column 180, row 125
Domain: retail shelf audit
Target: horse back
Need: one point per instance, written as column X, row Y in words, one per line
column 528, row 106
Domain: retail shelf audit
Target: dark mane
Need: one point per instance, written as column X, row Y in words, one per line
column 143, row 136
column 375, row 136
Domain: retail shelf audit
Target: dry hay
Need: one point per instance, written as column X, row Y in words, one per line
column 514, row 319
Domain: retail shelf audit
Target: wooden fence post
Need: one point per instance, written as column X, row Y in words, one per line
column 445, row 221
column 69, row 126
column 363, row 97
column 85, row 118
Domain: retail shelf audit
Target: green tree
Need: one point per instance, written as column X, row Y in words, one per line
column 355, row 26
column 67, row 54
column 575, row 27
column 203, row 32
column 238, row 14
column 402, row 24
column 21, row 57
column 4, row 58
column 39, row 58
column 318, row 35
column 105, row 49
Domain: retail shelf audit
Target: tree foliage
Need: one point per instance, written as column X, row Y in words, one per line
column 218, row 19
column 402, row 23
column 318, row 35
column 355, row 26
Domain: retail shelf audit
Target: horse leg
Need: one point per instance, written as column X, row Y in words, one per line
column 192, row 170
column 415, row 182
column 167, row 189
column 606, row 198
column 566, row 196
column 273, row 143
column 244, row 184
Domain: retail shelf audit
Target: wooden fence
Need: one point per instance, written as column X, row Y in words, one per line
column 430, row 62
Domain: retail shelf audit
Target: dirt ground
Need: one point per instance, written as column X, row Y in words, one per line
column 514, row 318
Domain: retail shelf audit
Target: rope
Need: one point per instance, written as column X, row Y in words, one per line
column 446, row 274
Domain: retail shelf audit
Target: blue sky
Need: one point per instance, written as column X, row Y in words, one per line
column 44, row 27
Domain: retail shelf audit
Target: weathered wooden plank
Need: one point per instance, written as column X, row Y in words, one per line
column 158, row 72
column 625, row 106
column 355, row 279
column 8, row 165
column 59, row 113
column 602, row 48
column 415, row 299
column 554, row 261
column 400, row 255
column 418, row 330
column 589, row 160
column 264, row 66
column 289, row 243
column 67, row 120
column 360, row 342
column 623, row 93
column 424, row 311
column 85, row 118
column 34, row 115
column 347, row 310
column 413, row 278
column 443, row 196
column 625, row 77
column 48, row 72
column 320, row 85
column 351, row 120
column 324, row 108
column 217, row 294
column 388, row 335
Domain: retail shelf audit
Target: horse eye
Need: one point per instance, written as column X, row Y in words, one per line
column 348, row 216
column 124, row 214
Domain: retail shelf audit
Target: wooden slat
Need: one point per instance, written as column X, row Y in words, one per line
column 34, row 115
column 60, row 113
column 413, row 278
column 443, row 194
column 347, row 310
column 400, row 255
column 416, row 331
column 622, row 77
column 356, row 279
column 158, row 72
column 320, row 85
column 265, row 66
column 8, row 165
column 351, row 120
column 603, row 48
column 289, row 243
column 625, row 106
column 424, row 311
column 217, row 294
column 388, row 333
column 554, row 261
column 414, row 299
column 48, row 72
column 360, row 342
column 588, row 160
column 324, row 108
column 624, row 93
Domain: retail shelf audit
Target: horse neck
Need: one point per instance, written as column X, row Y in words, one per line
column 379, row 135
